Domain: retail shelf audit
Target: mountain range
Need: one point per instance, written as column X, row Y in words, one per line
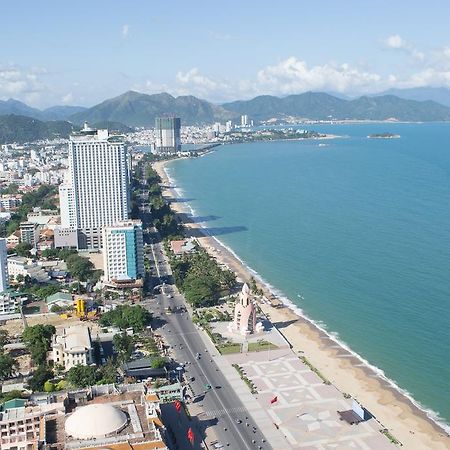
column 19, row 108
column 133, row 109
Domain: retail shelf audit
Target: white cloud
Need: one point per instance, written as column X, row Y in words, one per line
column 68, row 98
column 125, row 30
column 293, row 75
column 395, row 41
column 19, row 82
column 194, row 78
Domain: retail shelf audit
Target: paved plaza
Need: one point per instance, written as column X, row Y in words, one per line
column 306, row 410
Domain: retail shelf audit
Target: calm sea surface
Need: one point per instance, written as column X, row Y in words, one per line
column 356, row 233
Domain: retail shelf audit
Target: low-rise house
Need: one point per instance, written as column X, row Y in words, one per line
column 61, row 299
column 180, row 247
column 13, row 239
column 73, row 346
column 10, row 302
column 19, row 265
column 142, row 368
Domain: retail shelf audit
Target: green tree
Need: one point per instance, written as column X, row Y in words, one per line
column 61, row 385
column 39, row 377
column 124, row 345
column 4, row 338
column 49, row 386
column 158, row 363
column 79, row 267
column 8, row 366
column 11, row 395
column 12, row 226
column 23, row 249
column 200, row 291
column 108, row 372
column 82, row 376
column 125, row 316
column 20, row 278
column 37, row 339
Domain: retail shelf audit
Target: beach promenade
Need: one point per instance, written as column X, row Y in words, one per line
column 347, row 373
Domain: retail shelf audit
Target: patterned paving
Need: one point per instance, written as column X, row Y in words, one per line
column 306, row 409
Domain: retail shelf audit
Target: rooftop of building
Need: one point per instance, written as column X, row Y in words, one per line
column 75, row 339
column 59, row 296
column 124, row 224
column 182, row 246
column 114, row 421
column 87, row 134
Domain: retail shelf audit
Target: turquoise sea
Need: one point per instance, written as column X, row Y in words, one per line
column 355, row 233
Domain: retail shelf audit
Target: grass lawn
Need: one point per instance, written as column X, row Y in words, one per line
column 227, row 349
column 260, row 346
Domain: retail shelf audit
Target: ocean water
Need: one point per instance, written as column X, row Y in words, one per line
column 356, row 233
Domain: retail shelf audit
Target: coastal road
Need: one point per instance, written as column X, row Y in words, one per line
column 222, row 408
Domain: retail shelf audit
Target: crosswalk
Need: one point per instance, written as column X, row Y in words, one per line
column 223, row 412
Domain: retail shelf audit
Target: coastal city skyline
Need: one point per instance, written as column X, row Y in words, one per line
column 241, row 52
column 225, row 226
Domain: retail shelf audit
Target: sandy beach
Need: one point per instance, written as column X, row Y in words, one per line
column 404, row 420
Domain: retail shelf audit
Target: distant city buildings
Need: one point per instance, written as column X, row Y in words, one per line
column 123, row 257
column 244, row 120
column 168, row 134
column 97, row 193
column 4, row 277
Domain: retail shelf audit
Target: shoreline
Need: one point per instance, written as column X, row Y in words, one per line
column 412, row 424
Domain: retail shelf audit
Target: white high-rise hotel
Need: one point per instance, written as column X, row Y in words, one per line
column 96, row 193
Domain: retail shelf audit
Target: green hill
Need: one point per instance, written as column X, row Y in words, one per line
column 140, row 110
column 320, row 106
column 26, row 129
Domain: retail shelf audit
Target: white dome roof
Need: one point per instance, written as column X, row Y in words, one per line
column 97, row 420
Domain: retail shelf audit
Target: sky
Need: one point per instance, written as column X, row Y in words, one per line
column 81, row 53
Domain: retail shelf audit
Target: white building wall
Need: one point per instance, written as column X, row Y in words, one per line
column 98, row 166
column 4, row 276
column 116, row 256
column 67, row 207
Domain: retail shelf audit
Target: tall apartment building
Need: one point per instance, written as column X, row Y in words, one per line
column 168, row 134
column 4, row 276
column 67, row 206
column 29, row 233
column 98, row 192
column 123, row 253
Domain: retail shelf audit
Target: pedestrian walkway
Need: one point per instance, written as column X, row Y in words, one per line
column 303, row 407
column 257, row 415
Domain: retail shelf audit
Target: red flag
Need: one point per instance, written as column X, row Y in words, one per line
column 190, row 435
column 275, row 399
column 178, row 405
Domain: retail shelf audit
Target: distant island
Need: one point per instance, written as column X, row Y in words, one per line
column 247, row 135
column 383, row 136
